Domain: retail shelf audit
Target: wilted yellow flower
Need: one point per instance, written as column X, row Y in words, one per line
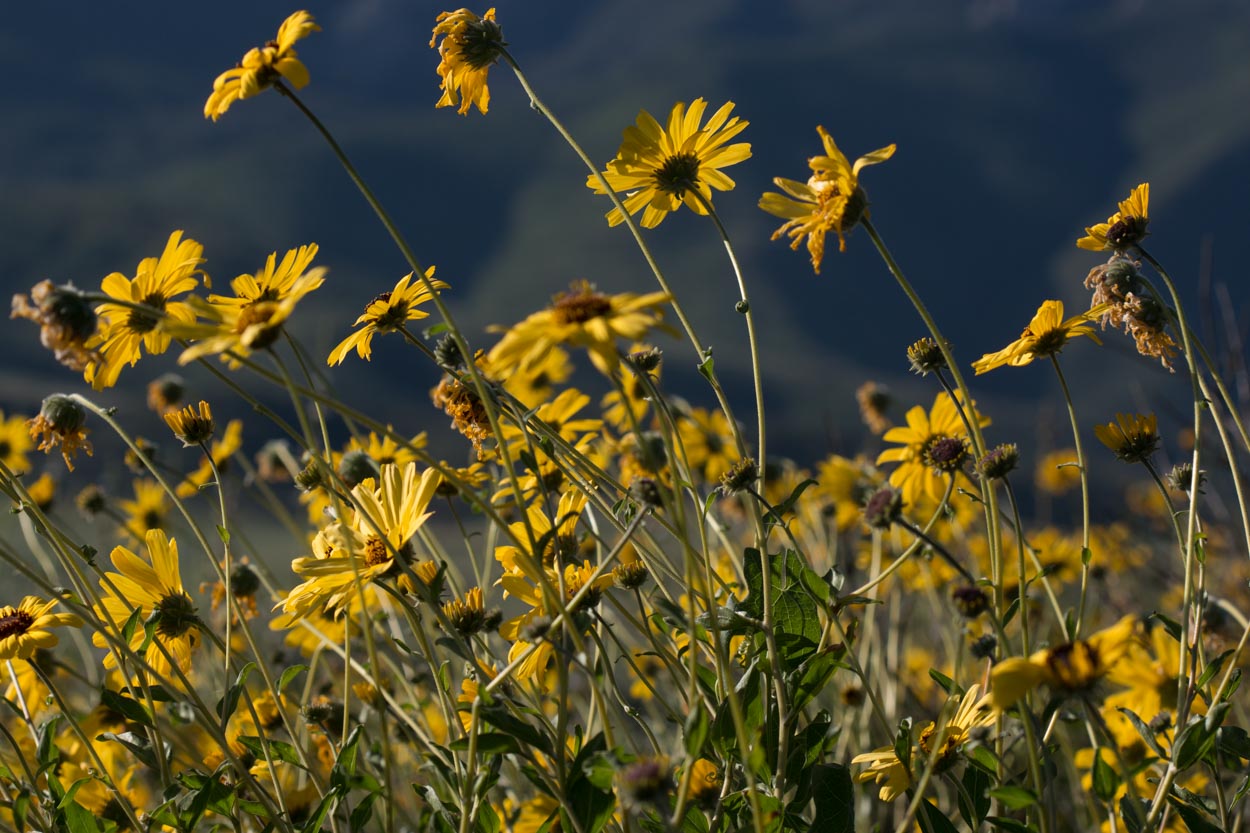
column 25, row 628
column 1124, row 228
column 386, row 313
column 662, row 166
column 61, row 422
column 125, row 329
column 1045, row 336
column 581, row 317
column 66, row 321
column 470, row 46
column 262, row 66
column 1068, row 667
column 830, row 200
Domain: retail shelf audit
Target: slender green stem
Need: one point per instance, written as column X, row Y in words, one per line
column 1083, row 468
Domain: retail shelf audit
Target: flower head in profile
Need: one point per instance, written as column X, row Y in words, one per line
column 1045, row 336
column 1070, row 667
column 932, row 445
column 1133, row 437
column 262, row 66
column 190, row 426
column 659, row 167
column 830, row 200
column 253, row 318
column 153, row 587
column 27, row 627
column 581, row 317
column 126, row 328
column 470, row 45
column 387, row 313
column 369, row 545
column 1123, row 229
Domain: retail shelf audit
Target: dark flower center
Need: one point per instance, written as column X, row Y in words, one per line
column 1127, row 231
column 479, row 42
column 175, row 615
column 259, row 315
column 946, row 454
column 1049, row 343
column 393, row 317
column 151, row 519
column 15, row 623
column 5, row 448
column 140, row 321
column 678, row 174
column 580, row 307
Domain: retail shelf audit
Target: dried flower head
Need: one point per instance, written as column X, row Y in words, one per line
column 999, row 461
column 66, row 320
column 874, row 400
column 883, row 508
column 740, row 477
column 468, row 415
column 1126, row 301
column 1181, row 477
column 61, row 422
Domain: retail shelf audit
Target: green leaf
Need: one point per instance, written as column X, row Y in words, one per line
column 706, row 367
column 489, row 743
column 1233, row 740
column 223, row 534
column 1014, row 798
column 362, row 813
column 1194, row 819
column 498, row 716
column 488, row 820
column 834, row 798
column 127, row 707
column 813, row 674
column 696, row 730
column 1213, row 668
column 1010, row 825
column 1196, row 739
column 137, row 744
column 796, row 619
column 288, row 675
column 973, row 795
column 948, row 685
column 1142, row 729
column 933, row 820
column 230, row 700
column 1106, row 781
column 278, row 750
column 1170, row 625
column 1133, row 812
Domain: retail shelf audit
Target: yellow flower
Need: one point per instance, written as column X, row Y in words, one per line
column 556, row 537
column 387, row 513
column 221, row 452
column 124, row 329
column 1133, row 438
column 25, row 628
column 581, row 317
column 1069, row 667
column 660, row 167
column 147, row 511
column 560, row 415
column 154, row 588
column 1045, row 336
column 237, row 326
column 262, row 66
column 43, row 491
column 831, row 199
column 534, row 384
column 953, row 729
column 1149, row 676
column 386, row 313
column 1123, row 229
column 274, row 281
column 932, row 445
column 627, row 406
column 470, row 45
column 15, row 442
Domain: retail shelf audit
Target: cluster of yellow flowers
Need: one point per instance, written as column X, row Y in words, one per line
column 644, row 621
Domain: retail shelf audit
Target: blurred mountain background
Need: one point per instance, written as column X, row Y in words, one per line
column 1017, row 124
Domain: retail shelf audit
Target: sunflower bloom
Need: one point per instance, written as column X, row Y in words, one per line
column 125, row 330
column 830, row 200
column 933, row 444
column 581, row 317
column 1070, row 667
column 26, row 628
column 470, row 45
column 262, row 66
column 154, row 588
column 1123, row 229
column 1045, row 336
column 386, row 313
column 660, row 167
column 387, row 514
